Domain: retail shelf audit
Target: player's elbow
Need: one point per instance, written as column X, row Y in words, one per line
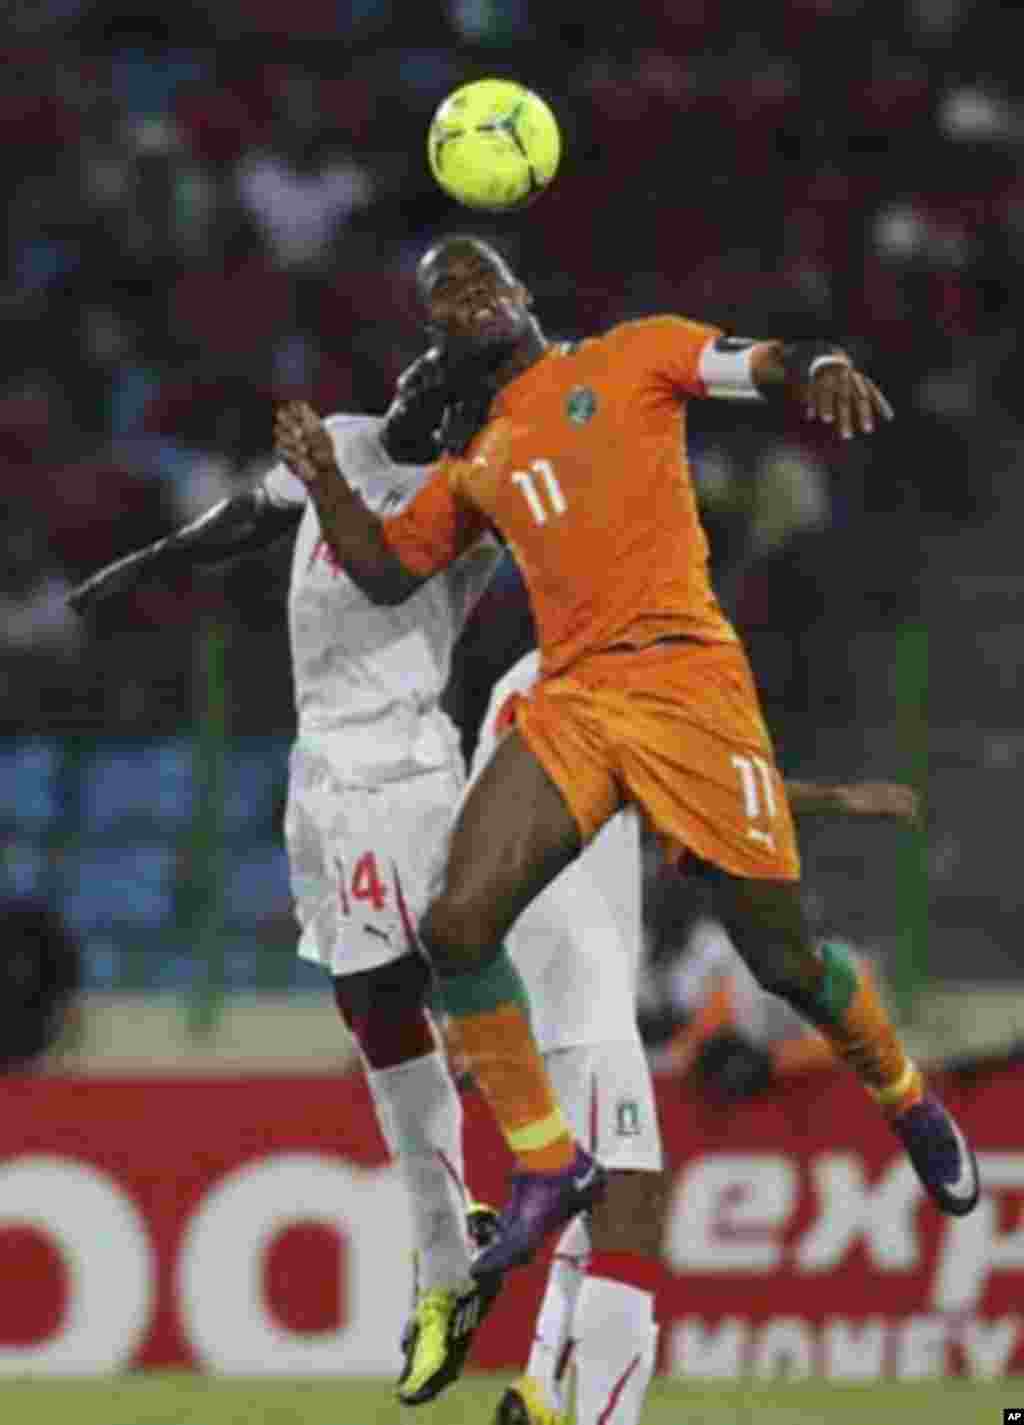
column 374, row 568
column 389, row 586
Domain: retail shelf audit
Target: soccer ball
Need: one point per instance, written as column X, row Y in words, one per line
column 493, row 145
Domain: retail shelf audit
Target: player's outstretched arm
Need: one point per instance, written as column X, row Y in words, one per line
column 892, row 801
column 353, row 532
column 822, row 377
column 241, row 524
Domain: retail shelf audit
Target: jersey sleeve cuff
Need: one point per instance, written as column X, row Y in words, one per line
column 725, row 370
column 283, row 489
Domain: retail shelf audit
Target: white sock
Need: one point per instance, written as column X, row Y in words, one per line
column 547, row 1362
column 616, row 1338
column 421, row 1118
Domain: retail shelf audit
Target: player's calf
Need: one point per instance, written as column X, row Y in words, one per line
column 615, row 1327
column 492, row 1021
column 616, row 1336
column 541, row 1396
column 823, row 983
column 420, row 1117
column 839, row 997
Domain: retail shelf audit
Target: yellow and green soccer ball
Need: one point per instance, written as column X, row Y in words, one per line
column 493, row 145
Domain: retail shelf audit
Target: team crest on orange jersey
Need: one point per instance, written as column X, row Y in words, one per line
column 580, row 405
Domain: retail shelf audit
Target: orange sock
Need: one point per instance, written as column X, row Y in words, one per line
column 508, row 1067
column 858, row 1027
column 803, row 1055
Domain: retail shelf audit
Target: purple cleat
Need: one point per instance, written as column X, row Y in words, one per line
column 942, row 1157
column 540, row 1203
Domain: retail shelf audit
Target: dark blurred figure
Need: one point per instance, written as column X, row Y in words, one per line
column 40, row 975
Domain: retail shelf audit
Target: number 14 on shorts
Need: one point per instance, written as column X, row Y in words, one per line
column 375, row 898
column 759, row 802
column 364, row 884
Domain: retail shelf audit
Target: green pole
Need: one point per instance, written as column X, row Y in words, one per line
column 202, row 888
column 909, row 970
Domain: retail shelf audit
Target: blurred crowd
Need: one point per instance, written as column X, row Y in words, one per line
column 214, row 207
column 211, row 207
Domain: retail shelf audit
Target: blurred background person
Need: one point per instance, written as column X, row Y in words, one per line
column 40, row 976
column 212, row 210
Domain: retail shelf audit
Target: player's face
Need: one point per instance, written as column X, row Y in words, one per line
column 475, row 308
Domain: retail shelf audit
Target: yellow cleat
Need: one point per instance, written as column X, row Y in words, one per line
column 437, row 1336
column 524, row 1404
column 437, row 1340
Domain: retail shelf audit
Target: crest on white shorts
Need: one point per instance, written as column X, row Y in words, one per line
column 627, row 1118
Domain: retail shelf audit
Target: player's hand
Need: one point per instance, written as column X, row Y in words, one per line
column 424, row 377
column 463, row 418
column 891, row 800
column 414, row 416
column 842, row 396
column 302, row 442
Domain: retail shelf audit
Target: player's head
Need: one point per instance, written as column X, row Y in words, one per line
column 475, row 306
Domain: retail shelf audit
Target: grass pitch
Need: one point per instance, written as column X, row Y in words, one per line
column 185, row 1399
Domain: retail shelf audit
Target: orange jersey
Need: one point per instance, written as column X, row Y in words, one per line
column 582, row 470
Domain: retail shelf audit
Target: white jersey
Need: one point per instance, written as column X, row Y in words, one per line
column 368, row 677
column 578, row 944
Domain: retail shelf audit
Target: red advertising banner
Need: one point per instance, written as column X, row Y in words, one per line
column 253, row 1225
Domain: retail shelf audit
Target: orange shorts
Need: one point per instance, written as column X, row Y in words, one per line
column 676, row 728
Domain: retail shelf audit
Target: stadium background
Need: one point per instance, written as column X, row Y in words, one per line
column 211, row 207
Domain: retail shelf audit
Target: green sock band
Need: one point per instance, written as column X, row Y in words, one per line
column 840, row 983
column 484, row 989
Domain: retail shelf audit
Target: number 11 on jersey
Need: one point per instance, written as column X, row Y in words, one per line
column 554, row 499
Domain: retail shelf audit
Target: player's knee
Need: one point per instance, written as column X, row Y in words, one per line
column 457, row 936
column 384, row 1010
column 766, row 923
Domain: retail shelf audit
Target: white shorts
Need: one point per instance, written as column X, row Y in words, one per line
column 607, row 1095
column 365, row 861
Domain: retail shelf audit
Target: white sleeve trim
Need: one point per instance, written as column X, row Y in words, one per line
column 726, row 370
column 284, row 490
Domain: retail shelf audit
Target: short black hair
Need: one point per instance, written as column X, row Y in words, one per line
column 463, row 245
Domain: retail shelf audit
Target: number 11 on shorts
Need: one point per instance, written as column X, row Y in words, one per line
column 759, row 801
